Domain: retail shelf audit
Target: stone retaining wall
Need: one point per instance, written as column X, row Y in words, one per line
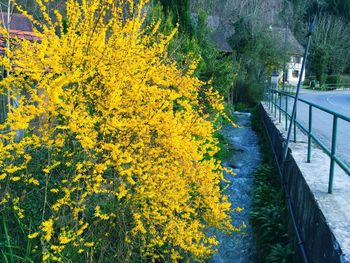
column 320, row 243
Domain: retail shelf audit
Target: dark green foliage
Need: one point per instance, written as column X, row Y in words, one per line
column 330, row 50
column 333, row 79
column 308, row 8
column 280, row 254
column 307, row 81
column 180, row 12
column 65, row 26
column 270, row 215
column 223, row 143
column 15, row 248
column 319, row 59
column 339, row 8
column 257, row 53
column 213, row 65
column 224, row 152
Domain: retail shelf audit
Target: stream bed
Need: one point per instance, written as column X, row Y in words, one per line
column 244, row 159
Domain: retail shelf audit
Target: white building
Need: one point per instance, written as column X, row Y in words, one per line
column 295, row 53
column 293, row 68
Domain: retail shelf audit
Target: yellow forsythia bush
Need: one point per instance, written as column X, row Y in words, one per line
column 107, row 154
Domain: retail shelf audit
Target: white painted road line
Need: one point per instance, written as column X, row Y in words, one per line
column 329, row 100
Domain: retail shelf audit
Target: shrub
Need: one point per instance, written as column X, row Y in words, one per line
column 307, row 82
column 333, row 79
column 116, row 160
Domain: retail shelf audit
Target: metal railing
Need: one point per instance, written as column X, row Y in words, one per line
column 273, row 99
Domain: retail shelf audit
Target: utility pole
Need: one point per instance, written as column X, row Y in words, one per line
column 285, row 59
column 292, row 119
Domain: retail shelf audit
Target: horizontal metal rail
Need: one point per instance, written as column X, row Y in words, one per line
column 273, row 99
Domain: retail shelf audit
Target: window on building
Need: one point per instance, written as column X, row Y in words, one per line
column 295, row 73
column 297, row 59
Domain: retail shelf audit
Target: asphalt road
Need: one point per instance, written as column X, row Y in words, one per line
column 338, row 101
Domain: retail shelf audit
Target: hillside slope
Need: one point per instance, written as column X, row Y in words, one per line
column 264, row 13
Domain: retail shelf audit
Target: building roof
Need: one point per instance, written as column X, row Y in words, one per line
column 294, row 47
column 17, row 22
column 219, row 35
column 20, row 26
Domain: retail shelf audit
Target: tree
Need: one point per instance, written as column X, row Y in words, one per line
column 255, row 49
column 213, row 66
column 339, row 8
column 180, row 10
column 330, row 50
column 258, row 52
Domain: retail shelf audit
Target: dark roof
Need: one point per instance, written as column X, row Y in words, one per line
column 219, row 35
column 17, row 22
column 294, row 47
column 20, row 27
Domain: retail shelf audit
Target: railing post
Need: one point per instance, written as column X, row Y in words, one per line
column 271, row 96
column 275, row 102
column 286, row 115
column 309, row 139
column 280, row 108
column 333, row 150
column 271, row 100
column 295, row 124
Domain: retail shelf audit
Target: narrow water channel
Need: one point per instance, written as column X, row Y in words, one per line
column 244, row 159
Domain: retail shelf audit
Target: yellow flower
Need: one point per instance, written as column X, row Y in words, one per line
column 33, row 181
column 239, row 209
column 15, row 178
column 33, row 235
column 64, row 240
column 47, row 228
column 89, row 244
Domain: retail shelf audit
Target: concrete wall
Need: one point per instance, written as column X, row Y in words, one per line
column 320, row 243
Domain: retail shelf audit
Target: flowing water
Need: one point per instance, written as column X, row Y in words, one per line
column 244, row 159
